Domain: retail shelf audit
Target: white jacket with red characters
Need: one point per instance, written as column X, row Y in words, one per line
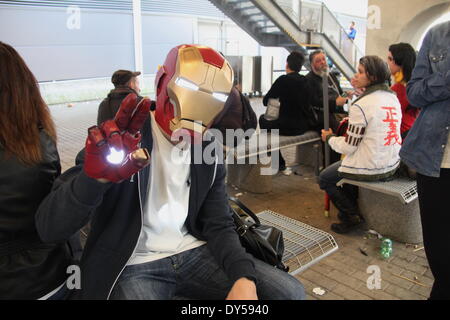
column 373, row 140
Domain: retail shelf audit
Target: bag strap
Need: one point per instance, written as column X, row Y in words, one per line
column 245, row 209
column 245, row 109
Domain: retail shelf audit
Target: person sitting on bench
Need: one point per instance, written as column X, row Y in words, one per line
column 372, row 142
column 294, row 94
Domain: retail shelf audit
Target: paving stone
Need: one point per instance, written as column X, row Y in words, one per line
column 387, row 266
column 420, row 278
column 330, row 295
column 429, row 274
column 320, row 279
column 350, row 294
column 376, row 294
column 345, row 279
column 407, row 256
column 310, row 297
column 420, row 253
column 421, row 262
column 409, row 266
column 323, row 268
column 309, row 286
column 352, row 262
column 423, row 291
column 331, row 262
column 403, row 293
column 364, row 276
column 356, row 254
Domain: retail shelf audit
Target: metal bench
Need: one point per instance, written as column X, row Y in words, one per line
column 304, row 245
column 246, row 170
column 391, row 208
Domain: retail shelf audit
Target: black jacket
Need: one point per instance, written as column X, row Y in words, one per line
column 29, row 269
column 115, row 211
column 293, row 92
column 315, row 84
column 110, row 105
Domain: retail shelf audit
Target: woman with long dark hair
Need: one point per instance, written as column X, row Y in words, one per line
column 401, row 60
column 372, row 142
column 29, row 163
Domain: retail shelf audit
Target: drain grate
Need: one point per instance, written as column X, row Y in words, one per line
column 304, row 245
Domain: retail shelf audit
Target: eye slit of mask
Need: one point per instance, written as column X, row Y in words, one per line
column 186, row 84
column 220, row 96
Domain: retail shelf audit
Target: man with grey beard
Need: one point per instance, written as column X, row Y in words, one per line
column 336, row 96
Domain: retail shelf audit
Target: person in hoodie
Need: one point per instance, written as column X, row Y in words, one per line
column 125, row 82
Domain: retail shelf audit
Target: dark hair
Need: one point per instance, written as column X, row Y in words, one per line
column 313, row 54
column 377, row 70
column 23, row 111
column 295, row 61
column 404, row 56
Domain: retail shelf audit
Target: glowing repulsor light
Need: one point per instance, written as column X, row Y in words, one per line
column 115, row 157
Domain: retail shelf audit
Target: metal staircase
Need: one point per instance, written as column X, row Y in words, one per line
column 294, row 25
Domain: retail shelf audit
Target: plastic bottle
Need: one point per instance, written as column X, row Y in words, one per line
column 386, row 248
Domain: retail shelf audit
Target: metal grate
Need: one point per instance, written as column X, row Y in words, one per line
column 304, row 245
column 257, row 146
column 403, row 188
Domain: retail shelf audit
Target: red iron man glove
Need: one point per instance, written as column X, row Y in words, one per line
column 112, row 148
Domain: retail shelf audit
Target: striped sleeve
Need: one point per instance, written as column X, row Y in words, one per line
column 357, row 124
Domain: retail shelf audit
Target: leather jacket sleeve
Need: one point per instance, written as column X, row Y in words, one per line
column 69, row 205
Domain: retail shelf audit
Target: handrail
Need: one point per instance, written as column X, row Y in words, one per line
column 296, row 26
column 336, row 33
column 341, row 27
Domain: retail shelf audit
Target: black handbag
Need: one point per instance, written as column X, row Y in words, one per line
column 262, row 241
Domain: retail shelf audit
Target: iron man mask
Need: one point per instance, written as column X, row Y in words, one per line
column 191, row 89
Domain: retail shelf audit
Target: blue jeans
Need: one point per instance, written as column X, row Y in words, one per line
column 344, row 198
column 194, row 274
column 60, row 294
column 329, row 177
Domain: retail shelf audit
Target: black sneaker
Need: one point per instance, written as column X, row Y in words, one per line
column 342, row 217
column 347, row 226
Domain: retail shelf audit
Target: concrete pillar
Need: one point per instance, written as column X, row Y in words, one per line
column 400, row 21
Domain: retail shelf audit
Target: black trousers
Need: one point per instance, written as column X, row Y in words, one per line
column 435, row 216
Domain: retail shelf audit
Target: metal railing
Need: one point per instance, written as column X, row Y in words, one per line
column 316, row 17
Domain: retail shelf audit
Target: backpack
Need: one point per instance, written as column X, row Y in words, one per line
column 249, row 119
column 237, row 114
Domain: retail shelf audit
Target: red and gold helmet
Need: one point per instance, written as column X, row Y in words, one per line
column 191, row 89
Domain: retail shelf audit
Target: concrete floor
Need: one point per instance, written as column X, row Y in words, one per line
column 343, row 275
